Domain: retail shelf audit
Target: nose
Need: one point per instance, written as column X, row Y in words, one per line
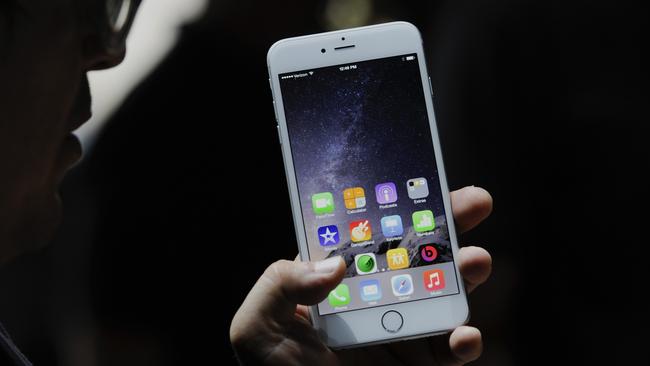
column 98, row 57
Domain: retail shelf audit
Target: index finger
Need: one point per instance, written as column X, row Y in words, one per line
column 470, row 206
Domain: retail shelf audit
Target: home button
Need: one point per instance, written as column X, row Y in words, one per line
column 392, row 321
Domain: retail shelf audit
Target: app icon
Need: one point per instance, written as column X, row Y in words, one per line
column 322, row 203
column 328, row 235
column 428, row 252
column 417, row 188
column 370, row 290
column 340, row 296
column 360, row 230
column 434, row 280
column 386, row 193
column 397, row 258
column 366, row 263
column 402, row 285
column 392, row 226
column 354, row 198
column 423, row 221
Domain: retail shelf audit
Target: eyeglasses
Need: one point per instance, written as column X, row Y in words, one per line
column 117, row 17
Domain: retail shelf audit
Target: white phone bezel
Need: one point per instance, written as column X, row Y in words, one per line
column 362, row 327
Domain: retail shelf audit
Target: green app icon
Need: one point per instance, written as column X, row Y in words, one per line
column 366, row 263
column 340, row 296
column 423, row 221
column 322, row 203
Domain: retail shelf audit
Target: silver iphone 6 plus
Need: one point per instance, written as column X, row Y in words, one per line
column 366, row 179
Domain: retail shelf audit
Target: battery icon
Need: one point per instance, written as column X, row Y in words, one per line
column 410, row 58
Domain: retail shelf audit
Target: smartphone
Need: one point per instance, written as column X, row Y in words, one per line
column 355, row 118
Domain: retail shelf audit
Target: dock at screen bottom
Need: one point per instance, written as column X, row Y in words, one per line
column 391, row 287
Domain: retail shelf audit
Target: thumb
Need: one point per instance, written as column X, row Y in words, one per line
column 286, row 284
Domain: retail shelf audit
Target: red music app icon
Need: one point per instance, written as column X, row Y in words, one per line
column 434, row 280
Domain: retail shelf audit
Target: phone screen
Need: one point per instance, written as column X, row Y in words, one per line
column 368, row 181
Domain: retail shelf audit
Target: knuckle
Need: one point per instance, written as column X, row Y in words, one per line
column 278, row 269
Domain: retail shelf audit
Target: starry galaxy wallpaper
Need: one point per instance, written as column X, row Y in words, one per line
column 358, row 126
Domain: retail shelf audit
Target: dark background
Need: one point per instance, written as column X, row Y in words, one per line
column 543, row 103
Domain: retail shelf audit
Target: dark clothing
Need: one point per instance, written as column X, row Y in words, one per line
column 9, row 353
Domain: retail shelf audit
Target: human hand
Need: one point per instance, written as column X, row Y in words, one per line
column 272, row 325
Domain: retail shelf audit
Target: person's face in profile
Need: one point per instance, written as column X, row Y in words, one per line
column 46, row 48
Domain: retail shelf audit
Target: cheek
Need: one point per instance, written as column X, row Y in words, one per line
column 40, row 71
column 40, row 81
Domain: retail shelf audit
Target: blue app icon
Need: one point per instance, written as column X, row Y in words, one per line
column 402, row 285
column 370, row 290
column 328, row 235
column 392, row 226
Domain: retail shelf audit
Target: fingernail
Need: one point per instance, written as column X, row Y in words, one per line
column 328, row 265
